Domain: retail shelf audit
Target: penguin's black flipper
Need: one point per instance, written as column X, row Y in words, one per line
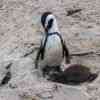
column 38, row 56
column 41, row 51
column 66, row 53
column 65, row 49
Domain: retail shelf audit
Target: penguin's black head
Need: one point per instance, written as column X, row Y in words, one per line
column 48, row 21
column 44, row 17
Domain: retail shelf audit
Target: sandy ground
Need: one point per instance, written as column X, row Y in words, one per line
column 20, row 33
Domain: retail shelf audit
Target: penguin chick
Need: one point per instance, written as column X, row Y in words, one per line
column 52, row 49
column 74, row 75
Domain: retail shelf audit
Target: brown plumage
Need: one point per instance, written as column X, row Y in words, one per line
column 74, row 74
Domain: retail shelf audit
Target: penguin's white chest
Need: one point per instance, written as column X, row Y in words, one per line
column 53, row 51
column 53, row 42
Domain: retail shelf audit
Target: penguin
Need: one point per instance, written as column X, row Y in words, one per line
column 75, row 74
column 53, row 49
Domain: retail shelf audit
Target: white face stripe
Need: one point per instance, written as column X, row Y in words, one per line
column 48, row 18
column 54, row 27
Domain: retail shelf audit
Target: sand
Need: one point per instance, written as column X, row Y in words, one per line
column 21, row 32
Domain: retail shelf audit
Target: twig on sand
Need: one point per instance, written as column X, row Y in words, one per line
column 6, row 79
column 29, row 53
column 82, row 53
column 73, row 11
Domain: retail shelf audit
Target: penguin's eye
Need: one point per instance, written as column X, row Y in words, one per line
column 50, row 23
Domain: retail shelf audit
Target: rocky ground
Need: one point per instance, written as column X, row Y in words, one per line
column 20, row 34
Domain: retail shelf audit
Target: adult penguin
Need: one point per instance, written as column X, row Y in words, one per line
column 52, row 50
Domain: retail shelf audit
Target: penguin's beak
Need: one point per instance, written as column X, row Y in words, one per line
column 46, row 30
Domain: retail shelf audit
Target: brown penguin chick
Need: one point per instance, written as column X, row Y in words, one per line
column 74, row 75
column 79, row 73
